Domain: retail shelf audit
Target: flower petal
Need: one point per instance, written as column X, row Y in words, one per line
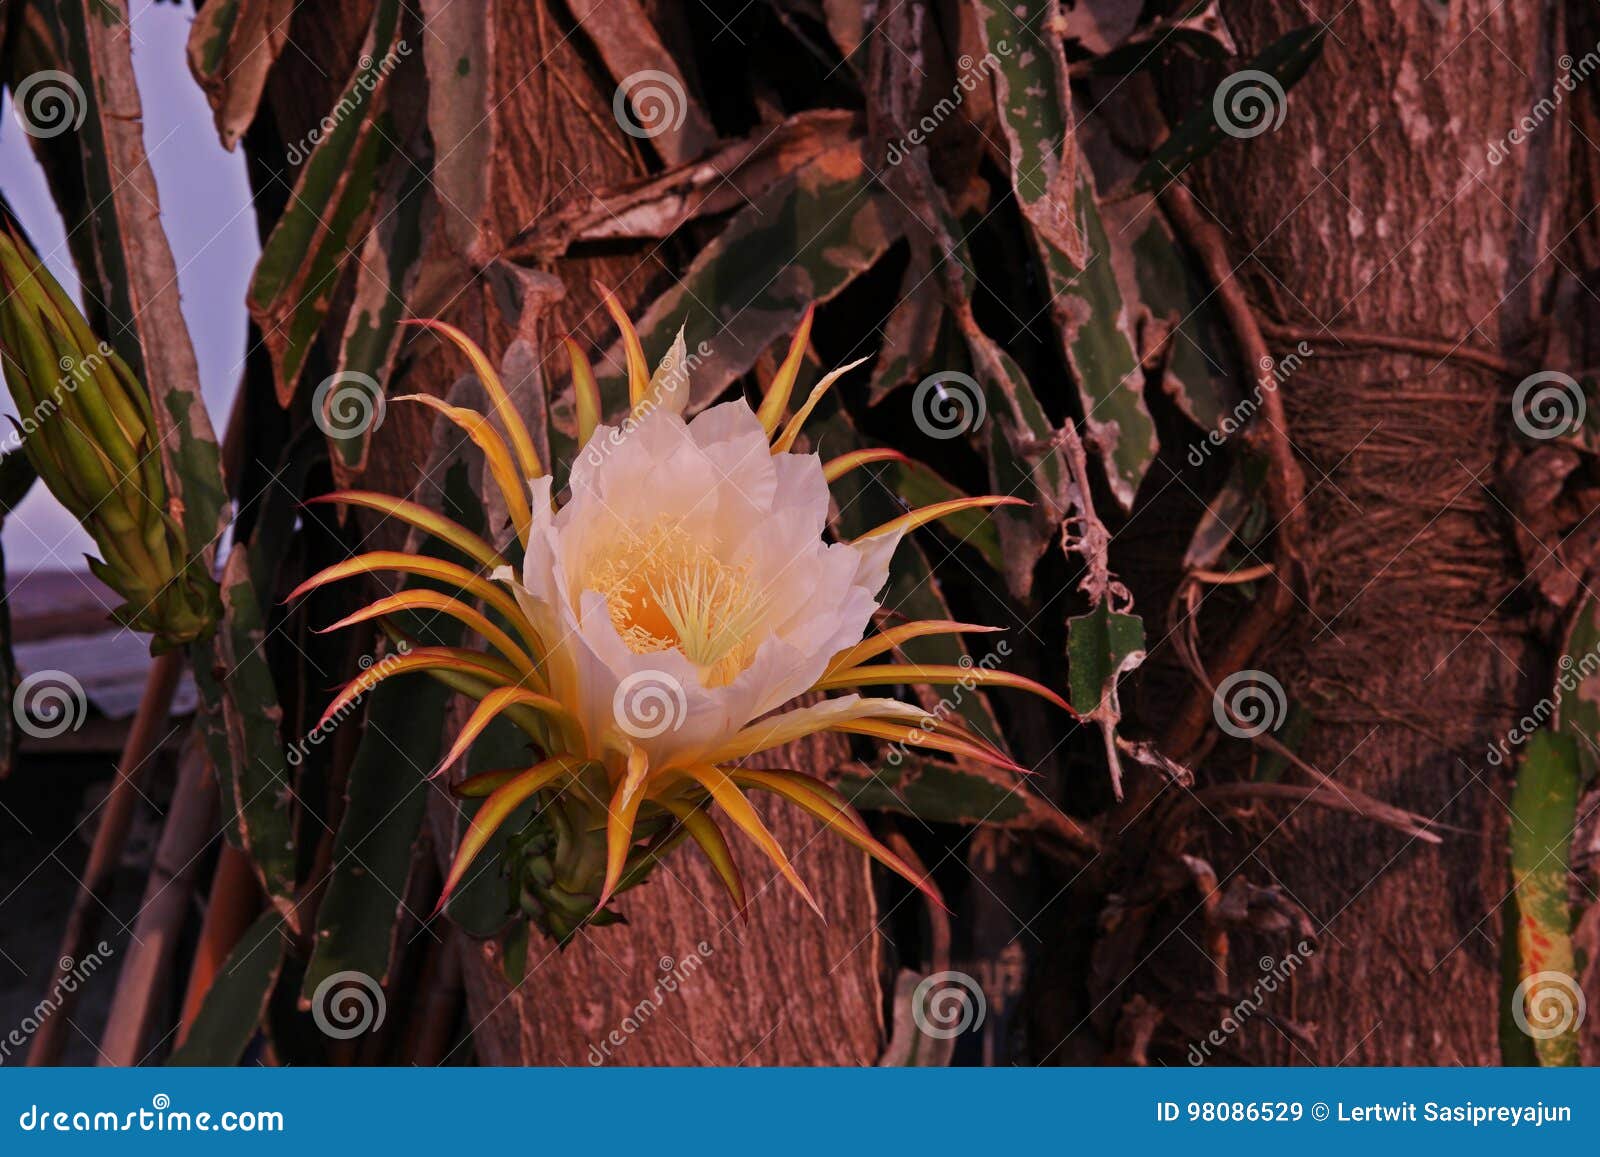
column 934, row 674
column 622, row 811
column 500, row 402
column 669, row 385
column 776, row 730
column 830, row 807
column 733, row 804
column 498, row 701
column 776, row 402
column 496, row 810
column 893, row 637
column 428, row 599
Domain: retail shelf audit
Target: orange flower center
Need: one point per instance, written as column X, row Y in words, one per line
column 663, row 590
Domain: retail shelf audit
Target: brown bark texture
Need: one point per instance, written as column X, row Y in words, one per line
column 1374, row 208
column 686, row 982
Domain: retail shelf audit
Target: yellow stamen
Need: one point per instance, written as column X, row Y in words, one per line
column 663, row 590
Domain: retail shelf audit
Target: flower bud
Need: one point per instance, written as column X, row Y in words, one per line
column 86, row 423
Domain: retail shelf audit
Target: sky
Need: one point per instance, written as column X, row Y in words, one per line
column 205, row 207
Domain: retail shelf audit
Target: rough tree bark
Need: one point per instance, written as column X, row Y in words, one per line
column 1374, row 208
column 783, row 989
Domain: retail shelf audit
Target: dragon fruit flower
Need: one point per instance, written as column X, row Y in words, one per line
column 662, row 627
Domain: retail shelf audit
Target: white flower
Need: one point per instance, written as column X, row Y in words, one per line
column 690, row 559
column 666, row 617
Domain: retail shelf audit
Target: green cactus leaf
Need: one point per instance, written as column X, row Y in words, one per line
column 458, row 52
column 333, row 199
column 1539, row 1020
column 240, row 722
column 1028, row 66
column 830, row 220
column 233, row 44
column 234, row 1006
column 1095, row 324
column 385, row 275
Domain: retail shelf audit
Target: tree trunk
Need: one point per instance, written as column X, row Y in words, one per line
column 787, row 988
column 1374, row 209
column 686, row 982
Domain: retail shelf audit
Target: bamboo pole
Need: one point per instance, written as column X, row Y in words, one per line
column 234, row 901
column 147, row 963
column 145, row 735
